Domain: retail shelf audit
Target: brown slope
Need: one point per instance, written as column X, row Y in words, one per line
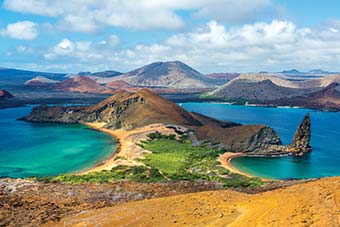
column 81, row 84
column 173, row 74
column 255, row 90
column 122, row 85
column 315, row 203
column 327, row 98
column 135, row 110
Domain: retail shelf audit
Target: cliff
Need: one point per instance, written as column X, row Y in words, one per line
column 244, row 138
column 301, row 139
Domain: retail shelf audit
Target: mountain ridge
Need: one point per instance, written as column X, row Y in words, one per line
column 173, row 74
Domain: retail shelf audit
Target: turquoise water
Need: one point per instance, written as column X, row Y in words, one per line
column 324, row 160
column 34, row 149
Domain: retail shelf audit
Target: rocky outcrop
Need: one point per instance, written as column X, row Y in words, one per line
column 244, row 138
column 301, row 139
column 57, row 114
column 5, row 94
column 122, row 110
column 255, row 139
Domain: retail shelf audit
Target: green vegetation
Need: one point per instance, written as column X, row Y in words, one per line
column 133, row 173
column 171, row 159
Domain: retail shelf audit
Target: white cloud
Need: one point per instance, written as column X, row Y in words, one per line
column 213, row 47
column 231, row 11
column 24, row 30
column 89, row 15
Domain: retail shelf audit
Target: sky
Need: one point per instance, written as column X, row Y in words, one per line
column 209, row 35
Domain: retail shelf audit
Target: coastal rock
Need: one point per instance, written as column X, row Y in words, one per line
column 301, row 139
column 57, row 114
column 245, row 138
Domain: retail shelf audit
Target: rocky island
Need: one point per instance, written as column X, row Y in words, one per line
column 129, row 111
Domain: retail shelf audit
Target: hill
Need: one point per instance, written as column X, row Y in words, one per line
column 173, row 74
column 327, row 98
column 81, row 84
column 291, row 71
column 314, row 203
column 40, row 81
column 122, row 85
column 100, row 77
column 250, row 89
column 16, row 76
column 227, row 76
column 321, row 82
column 104, row 74
column 319, row 93
column 140, row 109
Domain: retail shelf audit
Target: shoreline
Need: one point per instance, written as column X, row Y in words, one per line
column 119, row 136
column 127, row 152
column 108, row 162
column 225, row 160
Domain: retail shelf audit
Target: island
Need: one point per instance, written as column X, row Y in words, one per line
column 132, row 117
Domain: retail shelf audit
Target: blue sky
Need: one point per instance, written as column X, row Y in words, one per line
column 210, row 35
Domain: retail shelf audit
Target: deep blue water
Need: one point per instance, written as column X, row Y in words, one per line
column 34, row 149
column 324, row 160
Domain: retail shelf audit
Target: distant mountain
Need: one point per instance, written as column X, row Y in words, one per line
column 222, row 78
column 100, row 77
column 228, row 76
column 122, row 85
column 174, row 74
column 318, row 71
column 108, row 73
column 16, row 76
column 240, row 89
column 40, row 81
column 327, row 98
column 5, row 95
column 292, row 71
column 281, row 81
column 81, row 84
column 321, row 82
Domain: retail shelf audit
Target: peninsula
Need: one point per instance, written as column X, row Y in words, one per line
column 132, row 117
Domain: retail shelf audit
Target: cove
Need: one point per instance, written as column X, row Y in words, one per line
column 36, row 149
column 323, row 161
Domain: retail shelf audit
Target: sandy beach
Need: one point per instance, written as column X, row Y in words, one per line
column 127, row 152
column 225, row 160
